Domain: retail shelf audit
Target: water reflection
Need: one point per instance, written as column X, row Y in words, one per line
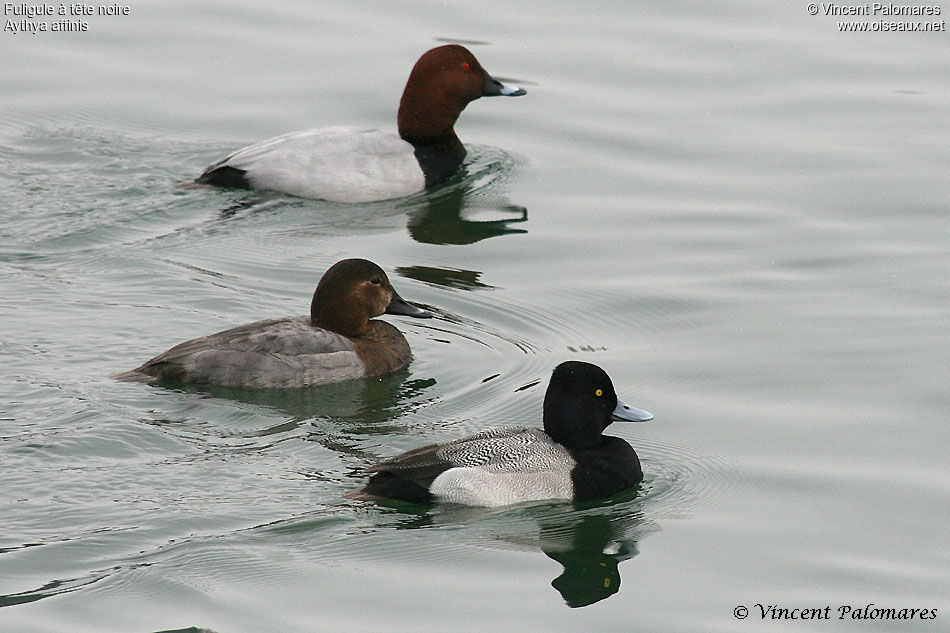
column 441, row 221
column 590, row 544
column 446, row 277
column 590, row 552
column 589, row 541
column 365, row 403
column 447, row 213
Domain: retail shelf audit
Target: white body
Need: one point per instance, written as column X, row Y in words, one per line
column 339, row 164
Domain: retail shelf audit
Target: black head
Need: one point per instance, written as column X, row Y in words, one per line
column 580, row 403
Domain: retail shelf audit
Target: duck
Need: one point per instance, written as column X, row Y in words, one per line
column 339, row 340
column 570, row 459
column 352, row 165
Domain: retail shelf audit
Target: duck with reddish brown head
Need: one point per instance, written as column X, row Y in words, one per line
column 339, row 340
column 346, row 164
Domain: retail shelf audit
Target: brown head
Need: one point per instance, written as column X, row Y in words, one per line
column 352, row 292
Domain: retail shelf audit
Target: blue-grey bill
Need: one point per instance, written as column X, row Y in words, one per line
column 632, row 414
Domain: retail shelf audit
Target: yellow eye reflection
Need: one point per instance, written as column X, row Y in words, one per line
column 599, row 392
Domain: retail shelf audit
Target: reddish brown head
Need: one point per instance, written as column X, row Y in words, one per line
column 442, row 83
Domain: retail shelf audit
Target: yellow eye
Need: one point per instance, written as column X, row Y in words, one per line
column 599, row 393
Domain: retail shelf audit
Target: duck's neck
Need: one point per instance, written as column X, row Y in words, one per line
column 342, row 322
column 562, row 424
column 439, row 162
column 428, row 127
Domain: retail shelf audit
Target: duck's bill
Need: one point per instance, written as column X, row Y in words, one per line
column 632, row 414
column 495, row 88
column 398, row 305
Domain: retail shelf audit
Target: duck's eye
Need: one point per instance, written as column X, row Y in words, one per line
column 375, row 281
column 599, row 393
column 465, row 66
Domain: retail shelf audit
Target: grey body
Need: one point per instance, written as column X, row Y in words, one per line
column 286, row 352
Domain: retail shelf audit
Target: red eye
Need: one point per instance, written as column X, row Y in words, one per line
column 465, row 66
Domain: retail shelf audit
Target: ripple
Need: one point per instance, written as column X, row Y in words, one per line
column 52, row 588
column 123, row 193
column 679, row 480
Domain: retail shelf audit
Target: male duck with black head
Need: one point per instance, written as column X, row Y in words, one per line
column 346, row 164
column 338, row 340
column 571, row 459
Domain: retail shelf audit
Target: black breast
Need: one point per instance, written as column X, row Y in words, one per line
column 439, row 162
column 604, row 470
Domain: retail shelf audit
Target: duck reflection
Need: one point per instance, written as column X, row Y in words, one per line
column 589, row 541
column 446, row 277
column 337, row 417
column 441, row 220
column 590, row 552
column 366, row 405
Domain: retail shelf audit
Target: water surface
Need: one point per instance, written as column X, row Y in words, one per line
column 736, row 210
